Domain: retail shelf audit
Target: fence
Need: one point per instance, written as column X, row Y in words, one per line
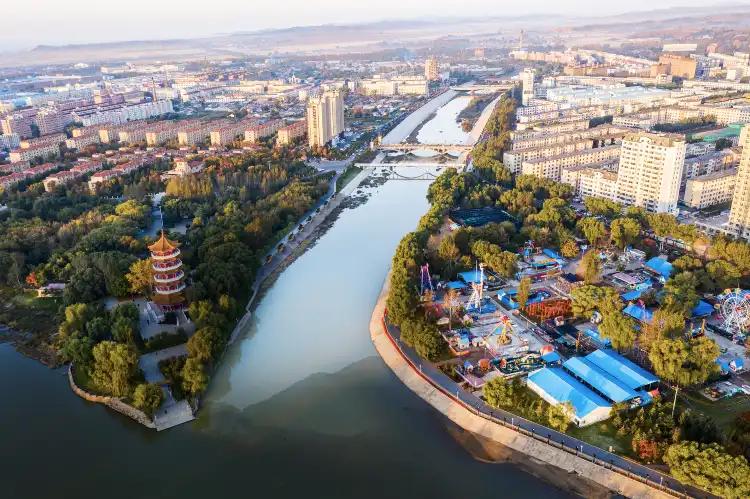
column 605, row 459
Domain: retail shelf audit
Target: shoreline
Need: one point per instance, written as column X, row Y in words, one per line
column 542, row 458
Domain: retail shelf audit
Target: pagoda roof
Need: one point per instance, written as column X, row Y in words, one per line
column 164, row 244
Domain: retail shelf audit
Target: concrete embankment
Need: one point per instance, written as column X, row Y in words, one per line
column 518, row 442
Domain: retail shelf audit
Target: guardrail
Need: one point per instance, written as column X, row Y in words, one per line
column 475, row 406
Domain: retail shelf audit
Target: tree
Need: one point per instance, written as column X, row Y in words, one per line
column 423, row 337
column 194, row 379
column 85, row 286
column 205, row 344
column 586, row 299
column 683, row 362
column 624, row 232
column 664, row 324
column 504, row 263
column 558, row 417
column 524, row 288
column 141, row 277
column 592, row 229
column 590, row 267
column 602, row 206
column 449, row 252
column 723, row 274
column 499, row 392
column 637, row 213
column 569, row 249
column 619, row 329
column 451, row 300
column 115, row 365
column 681, row 293
column 663, row 224
column 402, row 298
column 709, row 466
column 148, row 397
column 76, row 318
column 78, row 350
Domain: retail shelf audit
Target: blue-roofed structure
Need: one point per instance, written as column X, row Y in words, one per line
column 702, row 309
column 660, row 266
column 609, row 387
column 593, row 335
column 632, row 375
column 455, row 285
column 638, row 312
column 551, row 358
column 556, row 386
column 632, row 295
column 471, row 276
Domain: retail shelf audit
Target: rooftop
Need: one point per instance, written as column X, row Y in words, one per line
column 622, row 369
column 564, row 387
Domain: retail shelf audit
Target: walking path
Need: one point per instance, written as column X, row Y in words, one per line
column 172, row 412
column 289, row 246
column 539, row 442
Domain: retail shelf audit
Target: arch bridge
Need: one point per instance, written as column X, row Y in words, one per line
column 439, row 148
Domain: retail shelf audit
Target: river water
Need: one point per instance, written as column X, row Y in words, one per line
column 443, row 129
column 301, row 406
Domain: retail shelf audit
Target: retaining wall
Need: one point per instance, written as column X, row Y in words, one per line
column 112, row 402
column 508, row 435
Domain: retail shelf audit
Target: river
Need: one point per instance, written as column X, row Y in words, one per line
column 301, row 406
column 443, row 128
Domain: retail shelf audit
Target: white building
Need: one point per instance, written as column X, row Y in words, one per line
column 710, row 190
column 650, row 171
column 527, row 82
column 739, row 216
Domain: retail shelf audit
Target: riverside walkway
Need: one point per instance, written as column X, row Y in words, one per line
column 471, row 413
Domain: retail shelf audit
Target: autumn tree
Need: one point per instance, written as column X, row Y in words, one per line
column 115, row 366
column 592, row 230
column 619, row 329
column 624, row 232
column 524, row 289
column 590, row 267
column 148, row 397
column 141, row 277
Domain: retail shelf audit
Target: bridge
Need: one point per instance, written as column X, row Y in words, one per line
column 439, row 148
column 504, row 87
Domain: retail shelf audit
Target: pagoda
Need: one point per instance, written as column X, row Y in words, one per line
column 169, row 277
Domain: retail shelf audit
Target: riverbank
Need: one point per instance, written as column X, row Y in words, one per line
column 534, row 452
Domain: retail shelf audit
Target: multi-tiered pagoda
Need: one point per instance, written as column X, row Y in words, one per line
column 169, row 278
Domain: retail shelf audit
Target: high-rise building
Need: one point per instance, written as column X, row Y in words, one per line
column 527, row 80
column 683, row 67
column 650, row 171
column 739, row 216
column 318, row 115
column 431, row 69
column 325, row 117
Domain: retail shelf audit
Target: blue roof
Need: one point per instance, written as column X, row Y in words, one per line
column 660, row 266
column 638, row 313
column 703, row 308
column 610, row 387
column 563, row 387
column 594, row 334
column 553, row 254
column 621, row 368
column 551, row 357
column 471, row 276
column 455, row 285
column 632, row 295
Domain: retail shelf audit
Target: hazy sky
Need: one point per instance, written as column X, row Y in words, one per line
column 85, row 21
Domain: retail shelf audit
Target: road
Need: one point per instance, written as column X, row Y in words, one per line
column 500, row 415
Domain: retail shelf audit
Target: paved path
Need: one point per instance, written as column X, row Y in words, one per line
column 492, row 420
column 172, row 412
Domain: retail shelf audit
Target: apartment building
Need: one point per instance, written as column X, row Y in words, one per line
column 121, row 113
column 228, row 133
column 52, row 121
column 30, row 173
column 431, row 70
column 405, row 85
column 9, row 141
column 82, row 141
column 325, row 117
column 86, row 130
column 18, row 124
column 257, row 132
column 165, row 131
column 527, row 77
column 739, row 215
column 563, row 137
column 118, row 171
column 78, row 171
column 290, row 133
column 55, row 139
column 710, row 163
column 540, row 130
column 513, row 160
column 650, row 171
column 597, row 182
column 709, row 190
column 15, row 167
column 683, row 67
column 34, row 152
column 553, row 166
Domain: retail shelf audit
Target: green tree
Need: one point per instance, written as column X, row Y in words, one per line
column 194, row 378
column 590, row 267
column 402, row 297
column 710, row 467
column 683, row 362
column 723, row 275
column 681, row 293
column 624, row 232
column 524, row 288
column 141, row 277
column 592, row 230
column 619, row 329
column 85, row 286
column 602, row 207
column 205, row 344
column 148, row 397
column 558, row 417
column 115, row 366
column 587, row 299
column 504, row 263
column 449, row 252
column 663, row 224
column 423, row 337
column 78, row 350
column 687, row 263
column 499, row 392
column 76, row 318
column 637, row 213
column 664, row 324
column 569, row 249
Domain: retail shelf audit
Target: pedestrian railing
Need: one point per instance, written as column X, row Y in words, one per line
column 427, row 372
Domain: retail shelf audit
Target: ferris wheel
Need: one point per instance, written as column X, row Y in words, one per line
column 735, row 308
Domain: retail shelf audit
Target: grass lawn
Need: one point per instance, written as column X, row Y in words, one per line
column 722, row 411
column 26, row 312
column 594, row 435
column 347, row 177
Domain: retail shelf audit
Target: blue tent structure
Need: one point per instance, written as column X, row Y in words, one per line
column 632, row 295
column 551, row 357
column 632, row 375
column 703, row 309
column 660, row 266
column 641, row 314
column 594, row 335
column 455, row 285
column 554, row 255
column 728, row 363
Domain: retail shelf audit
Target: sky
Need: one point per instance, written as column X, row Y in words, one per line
column 90, row 21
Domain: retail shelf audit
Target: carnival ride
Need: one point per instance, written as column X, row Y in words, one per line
column 735, row 309
column 426, row 283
